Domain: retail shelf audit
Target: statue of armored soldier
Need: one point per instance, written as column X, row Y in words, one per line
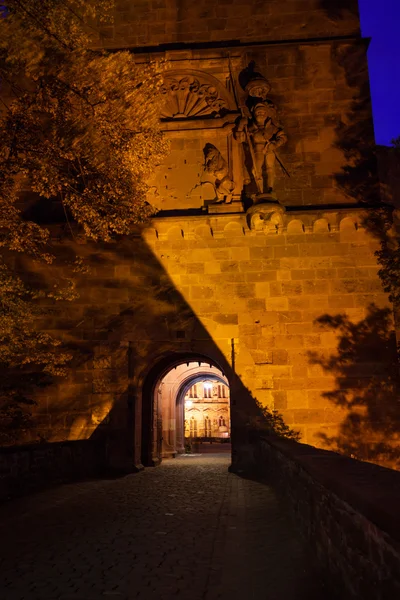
column 261, row 135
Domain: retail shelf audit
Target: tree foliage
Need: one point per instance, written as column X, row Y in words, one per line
column 20, row 343
column 383, row 222
column 79, row 127
column 379, row 222
column 23, row 349
column 272, row 423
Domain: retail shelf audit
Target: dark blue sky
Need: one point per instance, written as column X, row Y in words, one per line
column 380, row 20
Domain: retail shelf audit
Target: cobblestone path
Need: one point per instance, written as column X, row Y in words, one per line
column 187, row 530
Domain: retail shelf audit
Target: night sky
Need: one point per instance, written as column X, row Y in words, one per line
column 380, row 20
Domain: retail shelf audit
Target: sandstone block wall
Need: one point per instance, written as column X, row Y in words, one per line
column 247, row 299
column 267, row 291
column 155, row 22
column 290, row 308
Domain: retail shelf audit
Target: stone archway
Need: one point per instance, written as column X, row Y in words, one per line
column 163, row 403
column 194, row 398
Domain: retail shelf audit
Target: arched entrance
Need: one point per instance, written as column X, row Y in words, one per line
column 195, row 407
column 185, row 399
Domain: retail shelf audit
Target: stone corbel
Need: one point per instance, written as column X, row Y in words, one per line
column 268, row 218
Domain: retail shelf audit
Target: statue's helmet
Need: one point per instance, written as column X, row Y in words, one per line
column 267, row 109
column 258, row 87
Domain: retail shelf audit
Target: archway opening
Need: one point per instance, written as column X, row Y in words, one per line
column 188, row 409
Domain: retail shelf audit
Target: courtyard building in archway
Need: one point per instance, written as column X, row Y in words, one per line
column 207, row 411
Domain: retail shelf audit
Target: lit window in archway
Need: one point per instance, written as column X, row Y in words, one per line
column 207, row 387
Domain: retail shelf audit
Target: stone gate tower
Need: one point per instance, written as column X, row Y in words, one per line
column 260, row 226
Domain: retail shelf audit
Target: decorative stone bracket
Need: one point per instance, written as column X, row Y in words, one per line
column 268, row 217
column 261, row 219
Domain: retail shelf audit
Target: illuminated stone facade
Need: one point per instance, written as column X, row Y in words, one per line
column 207, row 413
column 225, row 274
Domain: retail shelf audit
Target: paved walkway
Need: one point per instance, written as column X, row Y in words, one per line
column 187, row 530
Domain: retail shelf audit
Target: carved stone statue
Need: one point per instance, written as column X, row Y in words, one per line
column 260, row 133
column 263, row 137
column 215, row 165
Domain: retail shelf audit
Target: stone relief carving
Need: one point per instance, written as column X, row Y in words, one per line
column 261, row 135
column 266, row 217
column 189, row 96
column 216, row 166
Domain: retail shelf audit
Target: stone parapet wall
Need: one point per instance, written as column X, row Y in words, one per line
column 348, row 511
column 28, row 468
column 155, row 22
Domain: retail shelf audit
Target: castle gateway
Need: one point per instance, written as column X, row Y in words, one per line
column 244, row 288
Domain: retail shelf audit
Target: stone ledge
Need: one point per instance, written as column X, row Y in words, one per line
column 293, row 221
column 176, row 51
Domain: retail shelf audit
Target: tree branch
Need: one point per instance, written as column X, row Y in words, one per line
column 41, row 24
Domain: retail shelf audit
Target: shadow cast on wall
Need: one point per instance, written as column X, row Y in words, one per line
column 129, row 317
column 367, row 386
column 354, row 132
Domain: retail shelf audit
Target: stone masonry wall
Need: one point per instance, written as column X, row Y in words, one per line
column 290, row 308
column 155, row 22
column 346, row 509
column 267, row 289
column 248, row 299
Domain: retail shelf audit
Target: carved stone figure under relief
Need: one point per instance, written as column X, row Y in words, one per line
column 216, row 166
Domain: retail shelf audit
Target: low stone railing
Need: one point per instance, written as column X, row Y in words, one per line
column 349, row 511
column 28, row 468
